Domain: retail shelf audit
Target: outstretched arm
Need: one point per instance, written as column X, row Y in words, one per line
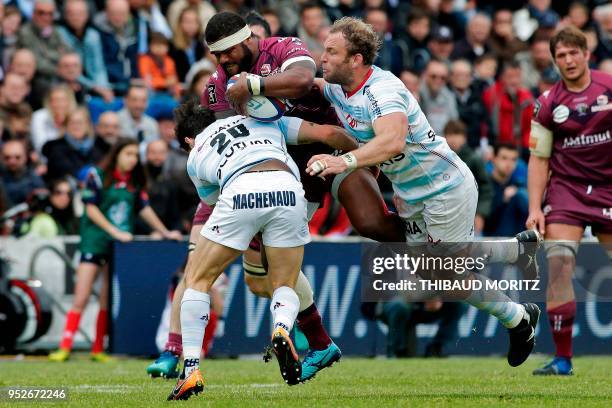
column 333, row 136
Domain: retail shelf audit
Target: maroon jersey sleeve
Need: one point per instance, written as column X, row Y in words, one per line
column 214, row 93
column 542, row 111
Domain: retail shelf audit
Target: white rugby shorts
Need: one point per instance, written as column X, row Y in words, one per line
column 270, row 202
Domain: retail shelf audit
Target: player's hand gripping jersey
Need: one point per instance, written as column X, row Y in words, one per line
column 427, row 166
column 231, row 146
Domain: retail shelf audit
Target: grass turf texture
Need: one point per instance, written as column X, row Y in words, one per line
column 353, row 382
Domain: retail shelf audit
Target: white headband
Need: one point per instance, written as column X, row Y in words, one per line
column 231, row 40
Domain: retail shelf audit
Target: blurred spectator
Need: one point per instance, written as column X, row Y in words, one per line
column 536, row 14
column 603, row 16
column 235, row 6
column 53, row 211
column 258, row 25
column 402, row 317
column 456, row 137
column 149, row 19
column 10, row 29
column 535, row 61
column 503, row 42
column 485, row 68
column 135, row 123
column 187, row 42
column 85, row 40
column 157, row 68
column 18, row 121
column 412, row 82
column 452, row 17
column 108, row 131
column 469, row 100
column 118, row 35
column 510, row 205
column 23, row 62
column 578, row 15
column 163, row 196
column 549, row 78
column 203, row 65
column 441, row 44
column 415, row 37
column 606, row 66
column 42, row 37
column 19, row 180
column 48, row 123
column 70, row 73
column 273, row 20
column 391, row 54
column 312, row 21
column 437, row 101
column 204, row 9
column 510, row 108
column 474, row 44
column 197, row 84
column 66, row 156
column 13, row 91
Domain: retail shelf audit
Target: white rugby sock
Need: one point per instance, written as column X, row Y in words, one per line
column 195, row 313
column 284, row 307
column 497, row 304
column 304, row 292
column 503, row 250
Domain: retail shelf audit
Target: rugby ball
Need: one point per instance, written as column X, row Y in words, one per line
column 260, row 107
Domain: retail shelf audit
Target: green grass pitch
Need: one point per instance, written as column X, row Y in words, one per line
column 373, row 383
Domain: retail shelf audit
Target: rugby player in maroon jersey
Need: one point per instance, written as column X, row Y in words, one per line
column 570, row 140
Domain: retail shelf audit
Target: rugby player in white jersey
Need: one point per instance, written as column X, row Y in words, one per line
column 241, row 166
column 433, row 188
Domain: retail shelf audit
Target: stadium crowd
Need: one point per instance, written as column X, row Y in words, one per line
column 79, row 74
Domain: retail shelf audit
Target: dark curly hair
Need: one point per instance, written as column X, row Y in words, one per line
column 191, row 119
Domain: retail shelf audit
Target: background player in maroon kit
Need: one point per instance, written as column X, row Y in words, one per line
column 571, row 139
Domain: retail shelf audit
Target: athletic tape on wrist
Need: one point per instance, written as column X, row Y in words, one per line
column 254, row 84
column 231, row 40
column 350, row 160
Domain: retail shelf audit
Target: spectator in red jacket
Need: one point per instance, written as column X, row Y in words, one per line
column 510, row 107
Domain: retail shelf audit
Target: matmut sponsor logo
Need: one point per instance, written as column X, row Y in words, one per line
column 585, row 140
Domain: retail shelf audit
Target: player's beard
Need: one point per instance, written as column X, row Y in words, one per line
column 342, row 75
column 245, row 63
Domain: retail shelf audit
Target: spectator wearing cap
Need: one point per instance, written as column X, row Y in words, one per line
column 549, row 78
column 19, row 180
column 437, row 101
column 503, row 42
column 134, row 122
column 418, row 26
column 42, row 37
column 391, row 54
column 510, row 109
column 474, row 44
column 535, row 61
column 469, row 100
column 441, row 44
column 456, row 136
column 84, row 39
column 118, row 35
column 187, row 41
column 204, row 9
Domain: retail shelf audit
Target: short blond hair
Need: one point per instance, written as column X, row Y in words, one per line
column 360, row 37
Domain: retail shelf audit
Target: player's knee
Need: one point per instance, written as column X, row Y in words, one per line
column 561, row 257
column 257, row 285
